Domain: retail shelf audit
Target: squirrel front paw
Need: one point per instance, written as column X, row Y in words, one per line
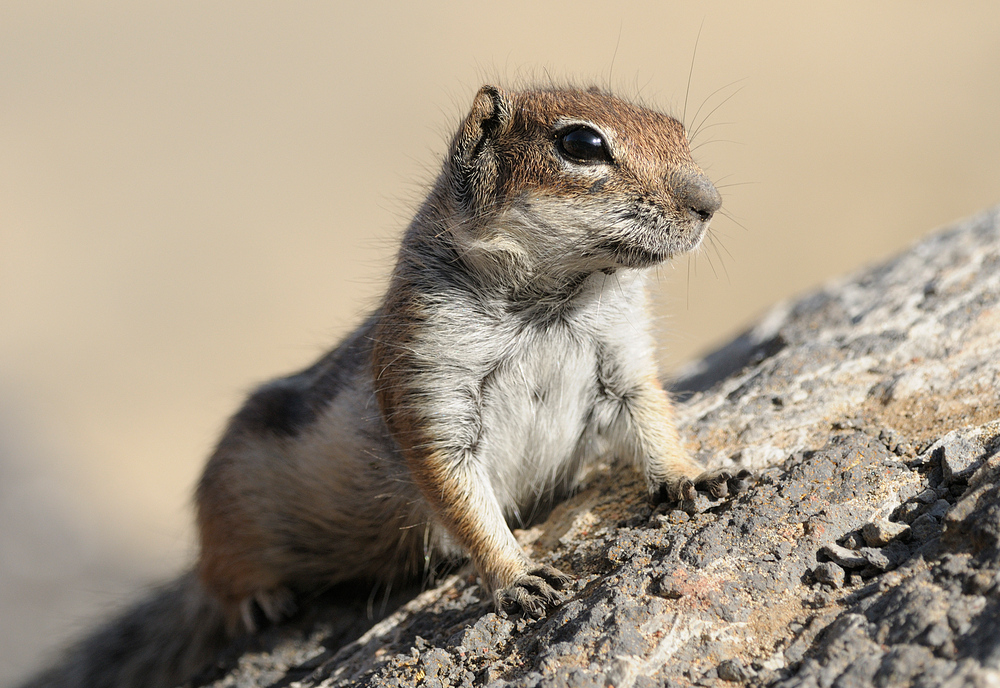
column 718, row 483
column 534, row 592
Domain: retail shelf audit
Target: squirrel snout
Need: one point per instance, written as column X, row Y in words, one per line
column 697, row 195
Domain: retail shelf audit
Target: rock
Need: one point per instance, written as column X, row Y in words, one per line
column 842, row 556
column 829, row 572
column 852, row 540
column 962, row 451
column 939, row 509
column 880, row 532
column 887, row 557
column 957, row 456
column 925, row 527
column 864, row 406
column 735, row 670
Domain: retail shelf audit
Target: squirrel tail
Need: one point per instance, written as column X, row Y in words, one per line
column 162, row 641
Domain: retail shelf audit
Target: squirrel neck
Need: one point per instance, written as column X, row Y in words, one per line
column 444, row 246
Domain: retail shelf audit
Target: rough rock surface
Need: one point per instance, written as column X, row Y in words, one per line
column 866, row 553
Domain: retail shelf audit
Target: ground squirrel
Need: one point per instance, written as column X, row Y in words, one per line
column 512, row 348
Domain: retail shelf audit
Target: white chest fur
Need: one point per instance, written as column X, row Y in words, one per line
column 525, row 400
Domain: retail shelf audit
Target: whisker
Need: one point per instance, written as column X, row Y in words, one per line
column 611, row 69
column 711, row 264
column 687, row 304
column 731, row 184
column 714, row 124
column 721, row 245
column 705, row 143
column 722, row 263
column 687, row 90
column 732, row 219
column 697, row 128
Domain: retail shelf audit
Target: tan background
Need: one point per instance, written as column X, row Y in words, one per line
column 198, row 196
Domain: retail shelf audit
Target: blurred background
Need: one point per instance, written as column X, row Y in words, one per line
column 195, row 197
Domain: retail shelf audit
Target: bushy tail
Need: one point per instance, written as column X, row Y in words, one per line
column 161, row 642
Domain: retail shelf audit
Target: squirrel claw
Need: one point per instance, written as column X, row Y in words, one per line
column 717, row 484
column 275, row 605
column 534, row 592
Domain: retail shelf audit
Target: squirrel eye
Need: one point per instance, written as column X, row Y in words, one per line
column 584, row 145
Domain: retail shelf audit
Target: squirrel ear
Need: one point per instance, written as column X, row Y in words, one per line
column 473, row 155
column 489, row 117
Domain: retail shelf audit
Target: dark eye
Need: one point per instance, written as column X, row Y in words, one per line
column 584, row 145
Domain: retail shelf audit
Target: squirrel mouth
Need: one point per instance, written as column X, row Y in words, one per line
column 632, row 254
column 635, row 252
column 652, row 238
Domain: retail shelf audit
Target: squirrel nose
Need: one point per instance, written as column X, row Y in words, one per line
column 696, row 194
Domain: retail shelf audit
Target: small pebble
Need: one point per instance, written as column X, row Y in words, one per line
column 843, row 556
column 877, row 559
column 735, row 670
column 852, row 540
column 879, row 533
column 817, row 601
column 829, row 573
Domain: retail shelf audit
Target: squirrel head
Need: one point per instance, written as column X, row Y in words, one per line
column 577, row 179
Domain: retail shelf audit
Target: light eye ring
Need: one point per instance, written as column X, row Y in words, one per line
column 583, row 145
